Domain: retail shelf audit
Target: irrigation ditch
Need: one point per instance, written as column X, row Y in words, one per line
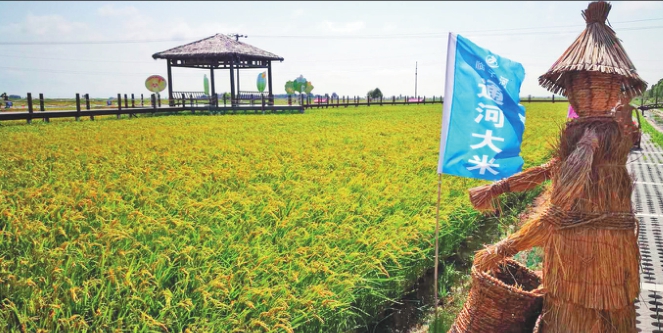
column 413, row 312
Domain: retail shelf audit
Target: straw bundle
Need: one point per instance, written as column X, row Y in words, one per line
column 505, row 300
column 591, row 258
column 624, row 116
column 484, row 197
column 597, row 49
column 586, row 320
column 587, row 233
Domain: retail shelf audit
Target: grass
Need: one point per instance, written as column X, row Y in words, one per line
column 654, row 135
column 242, row 223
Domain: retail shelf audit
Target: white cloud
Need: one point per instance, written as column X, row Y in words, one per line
column 183, row 30
column 44, row 24
column 110, row 11
column 134, row 23
column 297, row 13
column 339, row 27
column 389, row 27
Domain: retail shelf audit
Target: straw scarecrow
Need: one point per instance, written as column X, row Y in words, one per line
column 587, row 229
column 597, row 49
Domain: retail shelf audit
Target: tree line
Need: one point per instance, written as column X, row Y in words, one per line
column 655, row 92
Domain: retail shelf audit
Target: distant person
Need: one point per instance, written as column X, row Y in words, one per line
column 5, row 98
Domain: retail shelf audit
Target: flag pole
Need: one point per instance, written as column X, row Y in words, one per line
column 437, row 232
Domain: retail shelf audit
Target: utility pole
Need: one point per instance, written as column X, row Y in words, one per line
column 237, row 36
column 415, row 79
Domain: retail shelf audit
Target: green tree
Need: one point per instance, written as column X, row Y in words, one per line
column 290, row 87
column 375, row 93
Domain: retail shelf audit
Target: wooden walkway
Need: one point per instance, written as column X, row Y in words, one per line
column 46, row 115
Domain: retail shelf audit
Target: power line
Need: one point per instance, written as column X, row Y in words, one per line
column 77, row 72
column 153, row 62
column 74, row 59
column 493, row 32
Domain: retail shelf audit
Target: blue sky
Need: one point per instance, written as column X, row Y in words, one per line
column 343, row 47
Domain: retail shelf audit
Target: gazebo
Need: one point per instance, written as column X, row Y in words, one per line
column 219, row 52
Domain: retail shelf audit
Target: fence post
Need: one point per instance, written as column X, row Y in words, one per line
column 153, row 98
column 133, row 103
column 368, row 100
column 41, row 106
column 141, row 101
column 78, row 106
column 30, row 108
column 87, row 105
column 553, row 98
column 119, row 106
column 190, row 101
column 158, row 97
column 263, row 103
column 41, row 102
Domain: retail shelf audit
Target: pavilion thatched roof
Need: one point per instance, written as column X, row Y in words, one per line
column 219, row 47
column 596, row 49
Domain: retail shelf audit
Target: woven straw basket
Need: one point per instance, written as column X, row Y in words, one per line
column 593, row 93
column 504, row 301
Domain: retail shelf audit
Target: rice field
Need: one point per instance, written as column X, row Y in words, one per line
column 243, row 223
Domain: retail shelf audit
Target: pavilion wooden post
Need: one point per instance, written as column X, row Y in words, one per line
column 171, row 102
column 214, row 99
column 239, row 90
column 269, row 78
column 232, row 83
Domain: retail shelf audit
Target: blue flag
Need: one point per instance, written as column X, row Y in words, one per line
column 482, row 119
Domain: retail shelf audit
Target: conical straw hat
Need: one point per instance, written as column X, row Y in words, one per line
column 597, row 49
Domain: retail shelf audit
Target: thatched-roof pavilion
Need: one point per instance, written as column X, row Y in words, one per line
column 219, row 52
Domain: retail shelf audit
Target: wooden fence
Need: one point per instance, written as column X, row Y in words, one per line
column 189, row 103
column 83, row 108
column 346, row 101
